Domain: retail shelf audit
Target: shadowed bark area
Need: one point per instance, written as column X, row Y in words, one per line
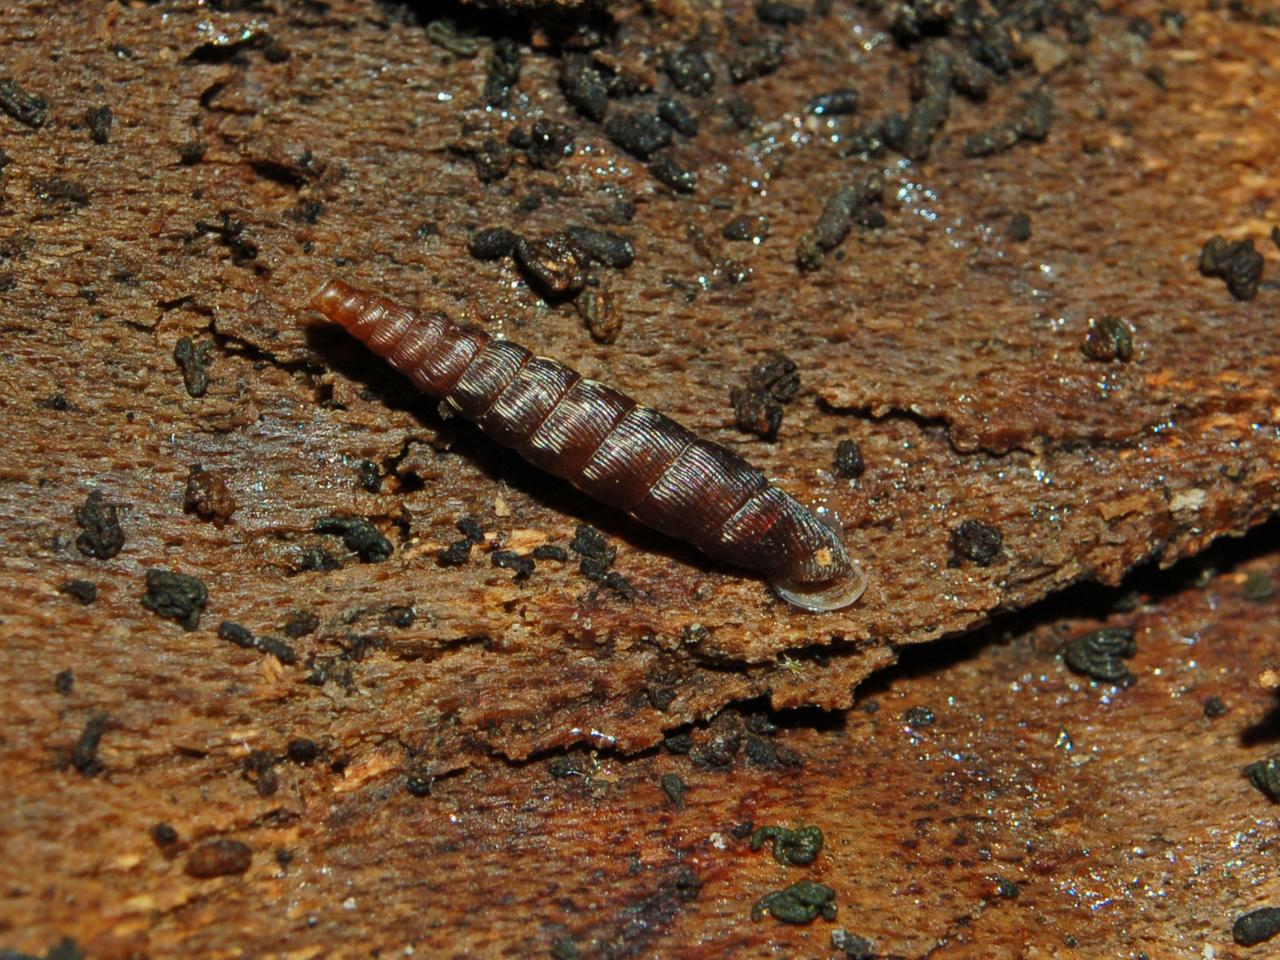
column 173, row 191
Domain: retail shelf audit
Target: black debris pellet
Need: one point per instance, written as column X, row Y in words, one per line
column 690, row 72
column 1265, row 775
column 747, row 229
column 568, row 765
column 369, row 476
column 800, row 903
column 85, row 755
column 780, row 14
column 456, row 554
column 164, row 835
column 1100, row 655
column 191, row 152
column 603, row 246
column 971, row 78
column 849, row 461
column 493, row 243
column 661, row 697
column 552, row 266
column 218, row 858
column 1109, row 338
column 665, row 169
column 847, row 206
column 510, row 560
column 193, row 361
column 492, row 160
column 775, row 375
column 851, row 945
column 300, row 623
column 592, row 547
column 176, row 596
column 1257, row 926
column 399, row 616
column 549, row 551
column 797, row 847
column 98, row 120
column 237, row 634
column 302, row 750
column 931, row 88
column 756, row 413
column 1029, row 121
column 549, row 143
column 230, row 233
column 417, row 785
column 1214, row 707
column 641, row 134
column 760, row 752
column 1238, row 263
column 358, row 535
column 678, row 117
column 26, row 108
column 1020, row 227
column 675, row 788
column 754, row 60
column 64, row 681
column 277, row 648
column 103, row 536
column 976, row 541
column 620, row 585
column 919, row 716
column 56, row 402
column 835, row 103
column 1007, row 888
column 257, row 770
column 470, row 528
column 81, row 590
column 504, row 72
column 742, row 830
column 584, row 87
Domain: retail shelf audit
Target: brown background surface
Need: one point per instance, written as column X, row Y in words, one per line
column 950, row 351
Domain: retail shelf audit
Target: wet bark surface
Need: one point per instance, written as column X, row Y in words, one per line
column 184, row 437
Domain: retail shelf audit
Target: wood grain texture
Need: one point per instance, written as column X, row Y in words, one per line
column 255, row 152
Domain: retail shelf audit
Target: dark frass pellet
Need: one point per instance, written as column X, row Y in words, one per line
column 599, row 312
column 99, row 120
column 675, row 788
column 493, row 243
column 523, row 567
column 1109, row 338
column 81, row 590
column 833, row 104
column 1029, row 121
column 848, row 462
column 976, row 541
column 300, row 623
column 689, row 70
column 799, row 903
column 1257, row 926
column 504, row 72
column 640, row 134
column 1238, row 264
column 1265, row 775
column 603, row 246
column 919, row 716
column 358, row 535
column 164, row 835
column 756, row 413
column 678, row 117
column 1019, row 228
column 746, row 229
column 548, row 551
column 417, row 785
column 796, row 847
column 103, row 536
column 1006, row 888
column 1214, row 707
column 548, row 143
column 176, row 596
column 931, row 88
column 754, row 60
column 1100, row 655
column 240, row 636
column 492, row 160
column 84, row 757
column 552, row 266
column 218, row 858
column 193, row 361
column 26, row 108
column 780, row 14
column 302, row 750
column 584, row 87
column 277, row 648
column 64, row 682
column 667, row 170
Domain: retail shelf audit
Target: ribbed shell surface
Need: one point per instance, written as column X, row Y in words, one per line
column 599, row 439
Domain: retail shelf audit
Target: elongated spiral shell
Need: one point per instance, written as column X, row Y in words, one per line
column 608, row 446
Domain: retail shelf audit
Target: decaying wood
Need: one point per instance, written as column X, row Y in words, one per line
column 155, row 335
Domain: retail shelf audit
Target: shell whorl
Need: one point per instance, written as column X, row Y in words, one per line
column 608, row 446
